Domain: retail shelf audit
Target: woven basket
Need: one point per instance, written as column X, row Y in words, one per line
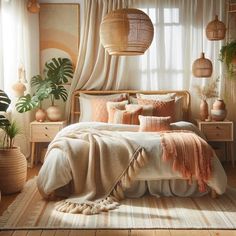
column 215, row 30
column 13, row 170
column 202, row 67
column 126, row 32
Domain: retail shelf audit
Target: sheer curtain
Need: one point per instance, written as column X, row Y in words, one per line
column 179, row 38
column 19, row 47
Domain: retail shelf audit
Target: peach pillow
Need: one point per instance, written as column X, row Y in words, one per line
column 161, row 108
column 117, row 105
column 154, row 123
column 148, row 110
column 99, row 108
column 117, row 116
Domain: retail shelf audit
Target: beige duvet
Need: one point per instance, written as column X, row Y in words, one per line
column 115, row 148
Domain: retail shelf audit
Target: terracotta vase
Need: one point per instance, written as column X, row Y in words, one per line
column 54, row 113
column 204, row 110
column 13, row 170
column 40, row 115
column 219, row 104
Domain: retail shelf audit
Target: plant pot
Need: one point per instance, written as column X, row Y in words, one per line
column 13, row 170
column 54, row 113
column 40, row 115
column 203, row 110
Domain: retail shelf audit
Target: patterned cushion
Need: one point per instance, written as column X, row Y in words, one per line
column 161, row 97
column 154, row 123
column 162, row 108
column 93, row 107
column 117, row 116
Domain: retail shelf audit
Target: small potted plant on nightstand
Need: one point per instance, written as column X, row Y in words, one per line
column 57, row 72
column 13, row 165
column 228, row 56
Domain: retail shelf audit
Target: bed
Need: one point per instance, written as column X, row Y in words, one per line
column 93, row 164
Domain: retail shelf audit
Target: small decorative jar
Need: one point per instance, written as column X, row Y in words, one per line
column 219, row 104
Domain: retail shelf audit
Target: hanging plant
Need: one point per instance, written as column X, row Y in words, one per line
column 228, row 56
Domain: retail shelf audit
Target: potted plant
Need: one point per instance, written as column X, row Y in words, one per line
column 56, row 73
column 13, row 165
column 228, row 56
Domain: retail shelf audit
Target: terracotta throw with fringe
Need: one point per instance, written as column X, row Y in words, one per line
column 190, row 155
column 103, row 164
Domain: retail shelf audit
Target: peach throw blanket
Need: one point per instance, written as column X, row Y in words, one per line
column 189, row 154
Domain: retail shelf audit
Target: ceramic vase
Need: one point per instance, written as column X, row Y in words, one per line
column 40, row 115
column 204, row 110
column 54, row 113
column 219, row 104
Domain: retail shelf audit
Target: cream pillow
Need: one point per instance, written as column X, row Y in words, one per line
column 93, row 107
column 117, row 116
column 154, row 123
column 116, row 105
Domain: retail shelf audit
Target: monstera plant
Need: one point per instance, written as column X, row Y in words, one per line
column 56, row 73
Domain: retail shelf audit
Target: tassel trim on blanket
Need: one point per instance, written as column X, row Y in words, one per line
column 112, row 201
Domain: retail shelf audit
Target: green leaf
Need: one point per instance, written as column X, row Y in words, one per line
column 4, row 101
column 26, row 103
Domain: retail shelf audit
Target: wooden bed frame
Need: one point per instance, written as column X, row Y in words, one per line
column 75, row 108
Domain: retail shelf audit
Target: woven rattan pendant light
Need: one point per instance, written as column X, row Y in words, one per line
column 202, row 67
column 126, row 32
column 33, row 6
column 215, row 30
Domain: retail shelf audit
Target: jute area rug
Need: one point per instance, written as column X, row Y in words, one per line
column 29, row 210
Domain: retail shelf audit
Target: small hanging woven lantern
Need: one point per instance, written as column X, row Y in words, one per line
column 19, row 89
column 126, row 32
column 215, row 30
column 33, row 6
column 202, row 67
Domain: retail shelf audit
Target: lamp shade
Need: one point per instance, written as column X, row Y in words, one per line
column 202, row 67
column 215, row 30
column 126, row 32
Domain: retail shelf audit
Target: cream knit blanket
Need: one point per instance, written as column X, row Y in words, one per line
column 103, row 164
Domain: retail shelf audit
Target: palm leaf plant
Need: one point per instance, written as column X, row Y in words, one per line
column 9, row 128
column 56, row 73
column 228, row 55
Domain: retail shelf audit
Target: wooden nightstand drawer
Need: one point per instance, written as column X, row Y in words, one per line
column 44, row 132
column 217, row 132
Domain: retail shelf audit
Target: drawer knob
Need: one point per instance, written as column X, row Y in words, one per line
column 217, row 127
column 46, row 127
column 46, row 135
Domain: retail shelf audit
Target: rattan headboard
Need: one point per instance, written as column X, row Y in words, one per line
column 75, row 108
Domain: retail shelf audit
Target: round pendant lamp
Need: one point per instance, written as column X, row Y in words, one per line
column 33, row 6
column 215, row 30
column 126, row 32
column 202, row 67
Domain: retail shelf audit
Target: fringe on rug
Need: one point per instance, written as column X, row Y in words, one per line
column 112, row 201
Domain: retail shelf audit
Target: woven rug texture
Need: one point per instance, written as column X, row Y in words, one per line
column 29, row 210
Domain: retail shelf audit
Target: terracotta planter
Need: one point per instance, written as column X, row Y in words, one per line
column 40, row 115
column 203, row 110
column 54, row 113
column 13, row 170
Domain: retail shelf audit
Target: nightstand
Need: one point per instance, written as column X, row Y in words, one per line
column 41, row 132
column 219, row 131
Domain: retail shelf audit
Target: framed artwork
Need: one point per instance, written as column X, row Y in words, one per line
column 59, row 28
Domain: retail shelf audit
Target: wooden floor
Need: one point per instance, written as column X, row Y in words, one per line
column 6, row 201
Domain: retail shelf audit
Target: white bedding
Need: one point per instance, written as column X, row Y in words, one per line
column 157, row 176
